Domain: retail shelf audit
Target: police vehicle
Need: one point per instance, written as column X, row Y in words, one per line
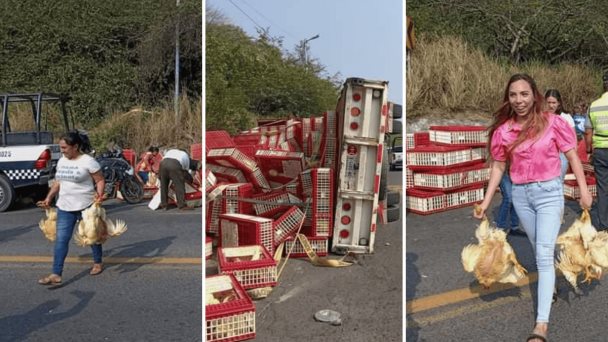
column 31, row 124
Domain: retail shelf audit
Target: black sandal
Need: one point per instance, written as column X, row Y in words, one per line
column 536, row 336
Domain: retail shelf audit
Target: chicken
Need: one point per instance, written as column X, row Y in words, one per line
column 49, row 225
column 582, row 249
column 95, row 227
column 493, row 259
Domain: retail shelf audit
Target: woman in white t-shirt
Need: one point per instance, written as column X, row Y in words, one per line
column 553, row 99
column 79, row 182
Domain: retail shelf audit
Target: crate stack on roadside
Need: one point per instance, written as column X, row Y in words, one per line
column 445, row 168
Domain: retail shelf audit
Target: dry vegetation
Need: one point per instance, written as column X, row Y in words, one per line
column 449, row 76
column 141, row 127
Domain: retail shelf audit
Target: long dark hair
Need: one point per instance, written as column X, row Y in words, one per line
column 79, row 138
column 555, row 94
column 533, row 126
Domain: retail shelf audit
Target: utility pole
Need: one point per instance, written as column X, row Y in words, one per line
column 177, row 66
column 306, row 48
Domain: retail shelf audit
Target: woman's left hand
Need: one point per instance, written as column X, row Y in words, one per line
column 586, row 200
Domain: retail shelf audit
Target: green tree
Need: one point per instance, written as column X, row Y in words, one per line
column 248, row 77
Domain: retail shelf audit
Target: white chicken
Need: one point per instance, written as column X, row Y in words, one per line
column 49, row 225
column 95, row 227
column 493, row 259
column 582, row 249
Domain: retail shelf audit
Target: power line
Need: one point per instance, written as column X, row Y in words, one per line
column 250, row 18
column 270, row 21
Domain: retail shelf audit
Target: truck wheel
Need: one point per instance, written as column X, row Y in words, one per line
column 393, row 198
column 7, row 193
column 393, row 213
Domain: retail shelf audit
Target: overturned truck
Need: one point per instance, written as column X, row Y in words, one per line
column 331, row 171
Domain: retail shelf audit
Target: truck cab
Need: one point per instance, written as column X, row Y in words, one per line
column 30, row 127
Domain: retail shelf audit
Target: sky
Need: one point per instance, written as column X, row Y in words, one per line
column 357, row 38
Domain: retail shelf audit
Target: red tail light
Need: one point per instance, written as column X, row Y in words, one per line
column 344, row 233
column 355, row 111
column 346, row 206
column 356, row 97
column 43, row 160
column 345, row 220
column 354, row 126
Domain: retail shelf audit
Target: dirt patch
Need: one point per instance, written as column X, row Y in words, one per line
column 439, row 118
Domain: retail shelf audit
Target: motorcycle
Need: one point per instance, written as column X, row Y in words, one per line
column 120, row 175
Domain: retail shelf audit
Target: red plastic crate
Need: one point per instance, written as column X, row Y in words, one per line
column 232, row 193
column 218, row 140
column 429, row 202
column 452, row 178
column 228, row 174
column 320, row 214
column 421, row 139
column 273, row 203
column 433, row 157
column 231, row 157
column 409, row 178
column 287, row 225
column 232, row 320
column 129, row 155
column 572, row 191
column 259, row 271
column 319, row 244
column 280, row 166
column 409, row 141
column 459, row 135
column 425, row 202
column 244, row 230
column 196, row 151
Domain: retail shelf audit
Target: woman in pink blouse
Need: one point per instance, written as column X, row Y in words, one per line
column 531, row 140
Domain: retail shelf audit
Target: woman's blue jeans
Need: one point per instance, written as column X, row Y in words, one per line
column 506, row 208
column 539, row 206
column 66, row 221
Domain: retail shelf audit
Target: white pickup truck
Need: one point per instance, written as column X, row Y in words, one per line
column 28, row 151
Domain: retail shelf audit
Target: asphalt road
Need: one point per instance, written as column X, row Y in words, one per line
column 150, row 289
column 368, row 295
column 444, row 303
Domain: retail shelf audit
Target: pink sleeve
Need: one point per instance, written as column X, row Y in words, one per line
column 564, row 135
column 498, row 147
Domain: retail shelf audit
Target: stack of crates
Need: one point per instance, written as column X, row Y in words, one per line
column 229, row 311
column 445, row 168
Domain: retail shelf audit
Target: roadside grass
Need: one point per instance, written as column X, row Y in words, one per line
column 450, row 76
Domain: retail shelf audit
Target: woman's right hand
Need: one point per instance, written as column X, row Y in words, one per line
column 479, row 210
column 44, row 204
